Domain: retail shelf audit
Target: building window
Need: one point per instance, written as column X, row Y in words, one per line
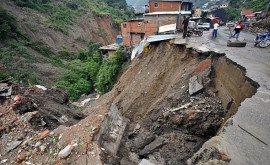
column 156, row 5
column 124, row 25
column 139, row 23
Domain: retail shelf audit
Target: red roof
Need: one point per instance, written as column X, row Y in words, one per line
column 246, row 12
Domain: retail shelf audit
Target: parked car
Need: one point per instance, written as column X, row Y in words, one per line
column 204, row 26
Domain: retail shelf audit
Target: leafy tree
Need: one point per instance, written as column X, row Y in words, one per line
column 233, row 13
column 108, row 71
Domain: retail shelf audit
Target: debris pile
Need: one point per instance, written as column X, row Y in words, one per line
column 173, row 132
column 261, row 26
column 28, row 115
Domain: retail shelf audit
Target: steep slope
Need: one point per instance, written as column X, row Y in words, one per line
column 163, row 108
column 49, row 36
column 86, row 26
column 150, row 113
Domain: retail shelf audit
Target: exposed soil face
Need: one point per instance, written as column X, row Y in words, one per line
column 164, row 119
column 99, row 29
column 36, row 25
column 163, row 109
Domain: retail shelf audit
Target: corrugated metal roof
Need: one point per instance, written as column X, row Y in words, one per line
column 156, row 38
column 169, row 13
column 110, row 47
column 139, row 19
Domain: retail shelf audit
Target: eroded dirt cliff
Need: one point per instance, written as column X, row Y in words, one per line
column 162, row 110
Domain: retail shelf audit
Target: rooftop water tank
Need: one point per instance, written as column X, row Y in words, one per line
column 119, row 39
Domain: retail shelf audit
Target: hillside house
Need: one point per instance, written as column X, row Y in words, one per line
column 153, row 21
column 161, row 12
column 224, row 5
column 133, row 31
column 169, row 5
column 197, row 12
column 246, row 12
column 109, row 50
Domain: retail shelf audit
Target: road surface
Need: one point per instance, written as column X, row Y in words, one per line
column 248, row 139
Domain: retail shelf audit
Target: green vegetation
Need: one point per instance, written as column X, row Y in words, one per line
column 14, row 53
column 91, row 71
column 256, row 5
column 235, row 7
column 61, row 14
column 108, row 71
column 81, row 75
column 233, row 14
column 7, row 25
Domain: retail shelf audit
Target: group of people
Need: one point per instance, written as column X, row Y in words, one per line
column 237, row 29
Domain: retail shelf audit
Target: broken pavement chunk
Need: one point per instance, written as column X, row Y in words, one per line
column 13, row 145
column 194, row 85
column 66, row 151
column 5, row 92
column 145, row 162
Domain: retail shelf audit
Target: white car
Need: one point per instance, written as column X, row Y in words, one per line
column 204, row 26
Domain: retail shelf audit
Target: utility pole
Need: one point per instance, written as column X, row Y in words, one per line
column 267, row 10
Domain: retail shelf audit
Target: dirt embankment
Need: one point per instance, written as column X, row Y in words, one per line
column 99, row 29
column 83, row 29
column 163, row 109
column 261, row 26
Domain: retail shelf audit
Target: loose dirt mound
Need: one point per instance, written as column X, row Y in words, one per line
column 260, row 26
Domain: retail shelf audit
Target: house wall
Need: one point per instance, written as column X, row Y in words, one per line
column 152, row 22
column 131, row 27
column 111, row 52
column 164, row 6
column 136, row 38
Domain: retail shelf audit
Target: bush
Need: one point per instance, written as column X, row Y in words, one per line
column 108, row 71
column 77, row 89
column 72, row 4
column 7, row 25
column 3, row 76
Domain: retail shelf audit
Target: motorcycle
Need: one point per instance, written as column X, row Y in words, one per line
column 197, row 32
column 262, row 39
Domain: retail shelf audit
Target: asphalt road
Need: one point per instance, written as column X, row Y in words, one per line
column 248, row 139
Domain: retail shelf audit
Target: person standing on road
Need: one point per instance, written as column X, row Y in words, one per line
column 185, row 23
column 237, row 30
column 214, row 34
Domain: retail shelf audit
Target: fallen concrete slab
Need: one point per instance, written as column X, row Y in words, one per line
column 194, row 85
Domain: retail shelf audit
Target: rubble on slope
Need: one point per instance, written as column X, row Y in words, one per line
column 261, row 26
column 28, row 115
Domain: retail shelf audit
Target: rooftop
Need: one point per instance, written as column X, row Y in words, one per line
column 246, row 12
column 110, row 47
column 168, row 13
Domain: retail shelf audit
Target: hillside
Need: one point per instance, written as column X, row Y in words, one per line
column 45, row 42
column 170, row 100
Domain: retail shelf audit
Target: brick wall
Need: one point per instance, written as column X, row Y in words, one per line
column 136, row 38
column 128, row 27
column 164, row 6
column 152, row 23
column 125, row 31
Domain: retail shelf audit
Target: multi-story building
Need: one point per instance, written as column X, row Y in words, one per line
column 161, row 12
